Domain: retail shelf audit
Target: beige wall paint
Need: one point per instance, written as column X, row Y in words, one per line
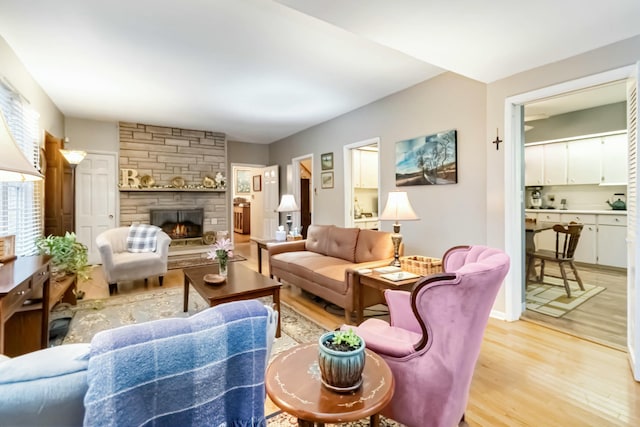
column 448, row 101
column 247, row 153
column 91, row 135
column 11, row 68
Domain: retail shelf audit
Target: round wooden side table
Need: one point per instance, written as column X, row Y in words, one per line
column 293, row 384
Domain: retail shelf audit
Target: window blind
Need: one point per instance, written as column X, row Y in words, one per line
column 21, row 203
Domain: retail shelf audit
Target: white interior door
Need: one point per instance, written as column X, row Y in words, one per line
column 633, row 231
column 257, row 203
column 270, row 201
column 96, row 199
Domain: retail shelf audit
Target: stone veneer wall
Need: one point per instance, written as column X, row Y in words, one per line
column 165, row 153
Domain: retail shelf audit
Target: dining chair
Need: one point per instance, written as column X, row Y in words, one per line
column 567, row 237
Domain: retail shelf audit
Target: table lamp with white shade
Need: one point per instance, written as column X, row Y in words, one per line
column 288, row 204
column 14, row 165
column 397, row 208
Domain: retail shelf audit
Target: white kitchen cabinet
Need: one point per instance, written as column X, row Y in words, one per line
column 613, row 161
column 555, row 163
column 533, row 161
column 583, row 158
column 365, row 169
column 612, row 246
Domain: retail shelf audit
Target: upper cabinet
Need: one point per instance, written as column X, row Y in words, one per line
column 365, row 169
column 614, row 160
column 594, row 160
column 555, row 164
column 533, row 169
column 583, row 158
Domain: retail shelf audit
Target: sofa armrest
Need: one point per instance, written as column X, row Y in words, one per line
column 162, row 246
column 281, row 247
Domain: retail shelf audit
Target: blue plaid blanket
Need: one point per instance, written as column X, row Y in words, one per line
column 206, row 370
column 142, row 238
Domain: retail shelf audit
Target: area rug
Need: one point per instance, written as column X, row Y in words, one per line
column 91, row 316
column 550, row 297
column 194, row 260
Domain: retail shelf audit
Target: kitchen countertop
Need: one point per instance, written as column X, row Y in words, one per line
column 578, row 211
column 366, row 219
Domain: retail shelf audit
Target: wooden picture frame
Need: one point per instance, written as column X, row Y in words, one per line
column 7, row 248
column 257, row 183
column 326, row 161
column 326, row 179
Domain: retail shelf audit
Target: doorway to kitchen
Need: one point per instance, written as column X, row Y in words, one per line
column 362, row 184
column 514, row 207
column 575, row 161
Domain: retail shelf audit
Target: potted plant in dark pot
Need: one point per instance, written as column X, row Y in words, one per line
column 341, row 359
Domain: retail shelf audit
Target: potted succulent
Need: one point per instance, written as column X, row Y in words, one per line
column 68, row 256
column 341, row 360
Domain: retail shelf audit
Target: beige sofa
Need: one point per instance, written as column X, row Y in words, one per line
column 321, row 263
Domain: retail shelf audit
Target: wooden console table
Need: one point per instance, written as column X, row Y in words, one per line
column 20, row 281
column 27, row 295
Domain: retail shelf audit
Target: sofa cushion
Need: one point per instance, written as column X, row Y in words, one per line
column 342, row 243
column 318, row 238
column 373, row 245
column 299, row 263
column 332, row 276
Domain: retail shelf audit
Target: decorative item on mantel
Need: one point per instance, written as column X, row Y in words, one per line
column 221, row 250
column 130, row 179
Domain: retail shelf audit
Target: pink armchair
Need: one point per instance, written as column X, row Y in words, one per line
column 434, row 338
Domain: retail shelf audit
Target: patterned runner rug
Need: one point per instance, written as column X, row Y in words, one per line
column 550, row 297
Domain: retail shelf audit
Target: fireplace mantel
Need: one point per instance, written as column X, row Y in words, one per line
column 172, row 189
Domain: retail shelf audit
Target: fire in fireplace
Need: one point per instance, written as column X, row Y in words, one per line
column 179, row 223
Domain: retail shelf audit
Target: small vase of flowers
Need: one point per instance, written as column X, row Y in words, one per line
column 221, row 250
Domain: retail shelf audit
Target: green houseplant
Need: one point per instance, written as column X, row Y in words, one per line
column 68, row 256
column 341, row 360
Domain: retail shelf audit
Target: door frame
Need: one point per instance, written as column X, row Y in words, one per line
column 514, row 177
column 295, row 186
column 348, row 177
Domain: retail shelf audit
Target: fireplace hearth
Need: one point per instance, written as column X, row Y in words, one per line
column 179, row 223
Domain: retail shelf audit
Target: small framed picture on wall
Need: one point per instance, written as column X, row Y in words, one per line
column 326, row 161
column 327, row 179
column 257, row 183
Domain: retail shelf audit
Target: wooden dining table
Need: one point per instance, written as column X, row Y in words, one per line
column 531, row 229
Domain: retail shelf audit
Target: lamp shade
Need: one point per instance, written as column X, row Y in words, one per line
column 74, row 157
column 14, row 165
column 398, row 207
column 288, row 204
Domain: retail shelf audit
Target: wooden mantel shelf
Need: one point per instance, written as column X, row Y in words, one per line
column 173, row 189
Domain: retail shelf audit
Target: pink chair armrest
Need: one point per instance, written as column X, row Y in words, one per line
column 400, row 312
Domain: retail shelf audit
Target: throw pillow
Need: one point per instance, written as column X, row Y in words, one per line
column 142, row 238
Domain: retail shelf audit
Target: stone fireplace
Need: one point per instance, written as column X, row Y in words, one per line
column 179, row 223
column 168, row 154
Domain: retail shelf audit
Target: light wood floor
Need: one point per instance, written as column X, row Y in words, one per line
column 602, row 318
column 527, row 374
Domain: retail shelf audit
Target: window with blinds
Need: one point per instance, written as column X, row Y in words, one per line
column 21, row 202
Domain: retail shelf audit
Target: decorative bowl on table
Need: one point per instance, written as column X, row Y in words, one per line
column 214, row 279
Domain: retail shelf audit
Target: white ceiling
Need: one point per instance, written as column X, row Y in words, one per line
column 260, row 70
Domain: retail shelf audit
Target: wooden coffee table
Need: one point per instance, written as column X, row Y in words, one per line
column 242, row 283
column 293, row 384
